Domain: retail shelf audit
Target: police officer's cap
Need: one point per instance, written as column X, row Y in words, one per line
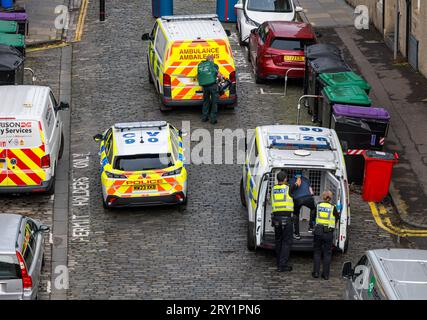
column 281, row 176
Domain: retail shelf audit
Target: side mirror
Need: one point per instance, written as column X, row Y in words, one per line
column 299, row 9
column 63, row 106
column 183, row 133
column 145, row 37
column 43, row 228
column 253, row 31
column 238, row 6
column 98, row 137
column 347, row 270
column 228, row 33
column 318, row 34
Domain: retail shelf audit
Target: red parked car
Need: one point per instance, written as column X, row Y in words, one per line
column 277, row 46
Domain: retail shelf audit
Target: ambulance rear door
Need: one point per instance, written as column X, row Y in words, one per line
column 334, row 185
column 183, row 59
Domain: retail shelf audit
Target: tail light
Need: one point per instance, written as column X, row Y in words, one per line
column 27, row 282
column 179, row 196
column 166, row 80
column 233, row 76
column 277, row 59
column 45, row 161
column 167, row 91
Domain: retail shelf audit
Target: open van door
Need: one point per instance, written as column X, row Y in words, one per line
column 260, row 209
column 334, row 185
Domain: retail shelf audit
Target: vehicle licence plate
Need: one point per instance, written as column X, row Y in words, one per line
column 293, row 58
column 145, row 187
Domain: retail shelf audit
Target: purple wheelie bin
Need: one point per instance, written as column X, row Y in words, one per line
column 20, row 17
column 359, row 129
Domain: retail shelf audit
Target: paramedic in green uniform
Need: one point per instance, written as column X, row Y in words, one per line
column 207, row 74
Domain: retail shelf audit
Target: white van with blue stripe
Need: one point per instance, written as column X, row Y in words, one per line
column 291, row 148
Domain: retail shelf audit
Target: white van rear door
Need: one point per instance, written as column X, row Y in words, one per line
column 260, row 209
column 333, row 184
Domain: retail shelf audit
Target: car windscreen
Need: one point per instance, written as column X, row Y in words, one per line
column 9, row 268
column 290, row 44
column 143, row 162
column 270, row 5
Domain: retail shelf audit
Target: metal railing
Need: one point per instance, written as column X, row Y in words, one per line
column 299, row 103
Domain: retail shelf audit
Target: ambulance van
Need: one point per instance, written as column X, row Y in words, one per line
column 177, row 44
column 31, row 139
column 313, row 150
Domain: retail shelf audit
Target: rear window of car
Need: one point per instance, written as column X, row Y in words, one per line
column 290, row 44
column 270, row 5
column 9, row 268
column 143, row 162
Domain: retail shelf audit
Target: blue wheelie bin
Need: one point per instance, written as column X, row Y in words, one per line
column 162, row 8
column 225, row 10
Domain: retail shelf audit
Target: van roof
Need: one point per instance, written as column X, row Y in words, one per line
column 9, row 224
column 193, row 27
column 405, row 272
column 158, row 144
column 294, row 145
column 22, row 102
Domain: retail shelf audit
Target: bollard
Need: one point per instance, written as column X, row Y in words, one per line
column 101, row 10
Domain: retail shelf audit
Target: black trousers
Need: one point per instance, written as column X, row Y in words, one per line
column 210, row 97
column 309, row 203
column 283, row 236
column 322, row 245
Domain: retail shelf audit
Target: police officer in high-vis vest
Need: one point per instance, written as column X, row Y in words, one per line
column 326, row 216
column 283, row 207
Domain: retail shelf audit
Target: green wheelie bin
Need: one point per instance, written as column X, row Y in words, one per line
column 347, row 95
column 14, row 40
column 8, row 26
column 343, row 79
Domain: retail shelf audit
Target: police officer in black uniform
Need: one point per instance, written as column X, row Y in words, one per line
column 283, row 207
column 326, row 216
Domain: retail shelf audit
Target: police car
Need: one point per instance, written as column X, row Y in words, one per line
column 142, row 163
column 317, row 152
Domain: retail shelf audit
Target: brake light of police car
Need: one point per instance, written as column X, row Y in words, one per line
column 45, row 161
column 115, row 175
column 172, row 173
column 233, row 76
column 27, row 282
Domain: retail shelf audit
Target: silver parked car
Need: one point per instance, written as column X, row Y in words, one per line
column 387, row 274
column 21, row 256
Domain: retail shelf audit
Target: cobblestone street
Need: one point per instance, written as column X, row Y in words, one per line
column 170, row 253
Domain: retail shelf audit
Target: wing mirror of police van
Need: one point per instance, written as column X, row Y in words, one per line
column 145, row 37
column 228, row 32
column 347, row 270
column 98, row 137
column 43, row 228
column 183, row 133
column 318, row 34
column 63, row 106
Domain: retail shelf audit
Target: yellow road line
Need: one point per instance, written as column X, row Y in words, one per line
column 386, row 224
column 46, row 47
column 81, row 21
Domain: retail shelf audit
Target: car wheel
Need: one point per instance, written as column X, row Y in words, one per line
column 241, row 42
column 258, row 79
column 51, row 189
column 61, row 148
column 242, row 194
column 43, row 261
column 251, row 236
column 104, row 204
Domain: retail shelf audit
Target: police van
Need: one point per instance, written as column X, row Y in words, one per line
column 31, row 139
column 289, row 148
column 177, row 44
column 142, row 163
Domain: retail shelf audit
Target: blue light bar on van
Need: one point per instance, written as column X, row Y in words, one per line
column 316, row 145
column 190, row 17
column 140, row 125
